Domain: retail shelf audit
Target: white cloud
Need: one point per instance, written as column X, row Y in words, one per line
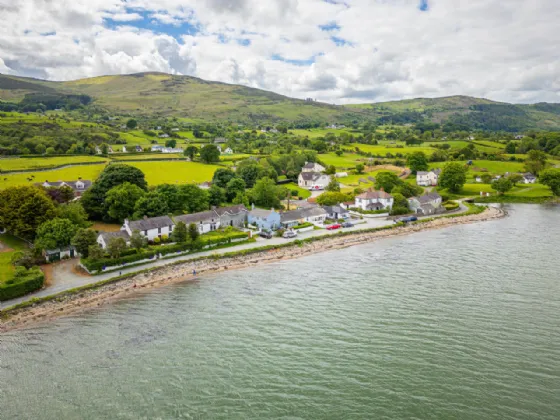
column 384, row 50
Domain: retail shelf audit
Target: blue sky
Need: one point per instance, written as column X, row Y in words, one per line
column 332, row 50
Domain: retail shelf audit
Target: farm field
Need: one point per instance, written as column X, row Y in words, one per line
column 353, row 180
column 347, row 160
column 147, row 156
column 492, row 167
column 175, row 172
column 521, row 190
column 133, row 139
column 86, row 172
column 318, row 132
column 382, row 149
column 12, row 164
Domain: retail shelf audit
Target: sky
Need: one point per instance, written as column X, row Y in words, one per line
column 336, row 51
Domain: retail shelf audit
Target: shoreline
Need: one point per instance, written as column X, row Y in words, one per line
column 94, row 296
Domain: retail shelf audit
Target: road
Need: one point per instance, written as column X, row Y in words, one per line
column 65, row 278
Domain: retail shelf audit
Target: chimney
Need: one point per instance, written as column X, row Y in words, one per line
column 370, row 189
column 382, row 189
column 253, row 206
column 145, row 217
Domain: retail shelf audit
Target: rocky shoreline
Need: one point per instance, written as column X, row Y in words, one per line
column 73, row 302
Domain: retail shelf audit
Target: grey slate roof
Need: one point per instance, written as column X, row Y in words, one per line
column 309, row 165
column 232, row 210
column 71, row 184
column 109, row 235
column 373, row 195
column 150, row 223
column 427, row 198
column 205, row 216
column 292, row 215
column 422, row 173
column 334, row 209
column 260, row 213
column 310, row 176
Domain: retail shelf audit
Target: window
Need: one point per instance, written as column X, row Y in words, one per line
column 145, row 233
column 158, row 230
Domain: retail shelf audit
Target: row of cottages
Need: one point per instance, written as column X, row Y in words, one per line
column 374, row 200
column 156, row 227
column 163, row 149
column 312, row 177
column 315, row 215
column 426, row 204
column 429, row 178
column 79, row 186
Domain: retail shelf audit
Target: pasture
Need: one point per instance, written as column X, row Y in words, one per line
column 394, row 149
column 13, row 164
column 175, row 172
column 147, row 156
column 86, row 172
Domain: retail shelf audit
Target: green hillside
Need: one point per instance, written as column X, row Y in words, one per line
column 194, row 99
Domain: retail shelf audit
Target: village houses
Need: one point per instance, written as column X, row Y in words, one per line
column 374, row 200
column 206, row 221
column 150, row 227
column 426, row 204
column 428, row 178
column 264, row 219
column 315, row 215
column 79, row 186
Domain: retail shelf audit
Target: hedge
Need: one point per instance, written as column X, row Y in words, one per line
column 24, row 282
column 303, row 225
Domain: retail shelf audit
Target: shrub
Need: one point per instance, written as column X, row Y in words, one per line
column 24, row 282
column 157, row 240
column 395, row 211
column 164, row 238
column 303, row 225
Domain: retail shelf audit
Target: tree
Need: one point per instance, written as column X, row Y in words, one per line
column 535, row 162
column 265, row 193
column 331, row 170
column 83, row 240
column 209, row 154
column 222, row 176
column 55, row 233
column 179, row 233
column 23, row 209
column 333, row 185
column 249, row 173
column 400, row 204
column 151, row 205
column 216, row 196
column 510, row 148
column 95, row 252
column 93, row 199
column 50, row 151
column 417, row 161
column 551, row 178
column 121, row 200
column 75, row 213
column 486, row 178
column 137, row 241
column 360, row 168
column 63, row 194
column 171, row 195
column 116, row 246
column 191, row 152
column 241, row 198
column 339, row 152
column 131, row 124
column 171, row 143
column 453, row 177
column 502, row 185
column 387, row 181
column 235, row 186
column 516, row 179
column 333, row 198
column 193, row 232
column 192, row 198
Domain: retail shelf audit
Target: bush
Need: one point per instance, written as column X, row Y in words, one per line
column 164, row 238
column 396, row 211
column 303, row 225
column 359, row 210
column 451, row 205
column 24, row 282
column 157, row 240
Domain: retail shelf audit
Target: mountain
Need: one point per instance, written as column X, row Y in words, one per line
column 159, row 94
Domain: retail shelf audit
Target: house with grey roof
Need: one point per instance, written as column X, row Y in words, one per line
column 206, row 221
column 426, row 204
column 428, row 178
column 312, row 167
column 235, row 216
column 529, row 178
column 374, row 200
column 316, row 215
column 150, row 227
column 79, row 187
column 313, row 180
column 336, row 212
column 104, row 237
column 264, row 219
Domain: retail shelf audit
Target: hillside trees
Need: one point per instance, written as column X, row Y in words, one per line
column 209, row 154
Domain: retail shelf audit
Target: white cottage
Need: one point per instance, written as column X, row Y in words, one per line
column 428, row 179
column 150, row 227
column 374, row 200
column 312, row 167
column 313, row 180
column 206, row 221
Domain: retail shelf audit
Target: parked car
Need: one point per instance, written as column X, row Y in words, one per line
column 265, row 234
column 334, row 226
column 289, row 234
column 347, row 224
column 406, row 219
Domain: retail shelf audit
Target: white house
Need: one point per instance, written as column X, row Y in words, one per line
column 374, row 200
column 164, row 136
column 172, row 150
column 529, row 178
column 150, row 227
column 315, row 215
column 312, row 167
column 219, row 148
column 425, row 204
column 206, row 221
column 124, row 149
column 79, row 186
column 313, row 180
column 341, row 174
column 104, row 237
column 336, row 212
column 228, row 151
column 428, row 179
column 157, row 148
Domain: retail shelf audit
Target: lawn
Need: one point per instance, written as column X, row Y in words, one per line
column 347, row 160
column 86, row 172
column 383, row 149
column 13, row 164
column 302, row 192
column 353, row 180
column 175, row 172
column 530, row 191
column 14, row 244
column 147, row 156
column 487, row 166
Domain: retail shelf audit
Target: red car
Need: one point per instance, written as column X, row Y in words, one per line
column 335, row 226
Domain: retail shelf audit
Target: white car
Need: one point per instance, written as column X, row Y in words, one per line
column 289, row 234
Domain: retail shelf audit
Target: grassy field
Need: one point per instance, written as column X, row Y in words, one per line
column 86, row 172
column 13, row 164
column 302, row 192
column 347, row 160
column 175, row 172
column 148, row 156
column 353, row 180
column 487, row 166
column 10, row 246
column 317, row 132
column 382, row 149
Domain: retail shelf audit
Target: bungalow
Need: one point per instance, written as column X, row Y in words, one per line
column 153, row 227
column 52, row 255
column 313, row 180
column 163, row 136
column 235, row 216
column 207, row 221
column 529, row 178
column 336, row 212
column 428, row 179
column 374, row 200
column 79, row 186
column 172, row 150
column 341, row 174
column 205, row 185
column 312, row 167
column 264, row 219
column 425, row 204
column 315, row 215
column 104, row 237
column 157, row 148
column 228, row 151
